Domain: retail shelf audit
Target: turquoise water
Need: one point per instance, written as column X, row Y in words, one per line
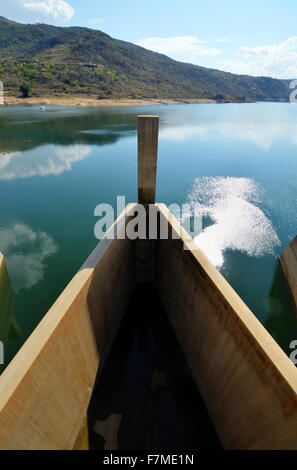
column 238, row 161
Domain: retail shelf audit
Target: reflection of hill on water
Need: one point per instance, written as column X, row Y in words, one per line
column 18, row 135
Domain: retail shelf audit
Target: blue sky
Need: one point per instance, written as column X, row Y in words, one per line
column 258, row 37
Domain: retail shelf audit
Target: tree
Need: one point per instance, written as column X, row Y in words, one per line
column 25, row 89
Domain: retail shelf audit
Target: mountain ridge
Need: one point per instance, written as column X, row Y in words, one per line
column 7, row 20
column 78, row 60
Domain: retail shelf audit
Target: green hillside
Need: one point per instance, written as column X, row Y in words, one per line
column 61, row 61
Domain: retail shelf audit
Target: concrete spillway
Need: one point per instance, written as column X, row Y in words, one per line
column 145, row 397
column 243, row 378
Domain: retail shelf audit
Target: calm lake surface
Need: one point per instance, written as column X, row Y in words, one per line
column 238, row 161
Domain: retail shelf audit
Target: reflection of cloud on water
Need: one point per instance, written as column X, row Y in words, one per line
column 181, row 133
column 238, row 222
column 261, row 132
column 251, row 124
column 25, row 251
column 42, row 161
column 96, row 131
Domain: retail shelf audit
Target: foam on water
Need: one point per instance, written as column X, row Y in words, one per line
column 239, row 223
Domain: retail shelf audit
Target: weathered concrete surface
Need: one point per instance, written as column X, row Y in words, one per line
column 45, row 390
column 247, row 382
column 288, row 260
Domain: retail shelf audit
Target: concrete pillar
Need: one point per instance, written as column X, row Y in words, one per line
column 148, row 128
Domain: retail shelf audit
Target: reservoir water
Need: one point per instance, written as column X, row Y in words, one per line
column 237, row 161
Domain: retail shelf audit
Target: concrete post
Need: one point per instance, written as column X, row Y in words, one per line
column 148, row 127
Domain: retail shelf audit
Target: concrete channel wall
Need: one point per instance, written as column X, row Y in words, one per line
column 288, row 260
column 45, row 390
column 247, row 382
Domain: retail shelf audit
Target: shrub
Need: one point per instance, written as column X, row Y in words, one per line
column 25, row 89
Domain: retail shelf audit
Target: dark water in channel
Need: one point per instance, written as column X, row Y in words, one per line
column 239, row 161
column 144, row 396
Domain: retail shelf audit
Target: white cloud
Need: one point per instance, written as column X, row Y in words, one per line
column 56, row 8
column 278, row 60
column 57, row 11
column 186, row 48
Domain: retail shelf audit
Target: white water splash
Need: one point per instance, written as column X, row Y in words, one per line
column 239, row 224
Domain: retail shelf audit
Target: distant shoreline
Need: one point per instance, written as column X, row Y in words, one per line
column 93, row 101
